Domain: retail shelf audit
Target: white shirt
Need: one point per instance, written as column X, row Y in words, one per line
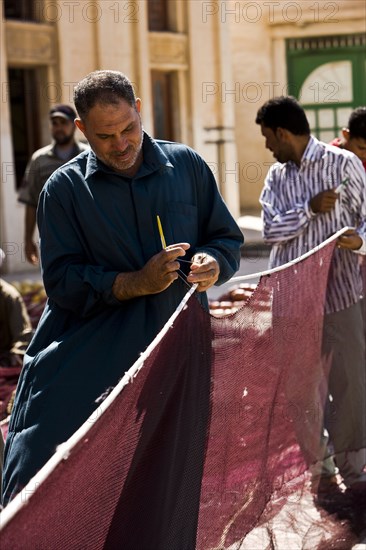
column 293, row 229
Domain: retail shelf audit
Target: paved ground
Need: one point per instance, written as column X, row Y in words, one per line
column 254, row 255
column 305, row 523
column 248, row 265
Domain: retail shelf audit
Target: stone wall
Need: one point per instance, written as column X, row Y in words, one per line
column 228, row 57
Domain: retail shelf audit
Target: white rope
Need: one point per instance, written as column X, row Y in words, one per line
column 63, row 450
column 292, row 262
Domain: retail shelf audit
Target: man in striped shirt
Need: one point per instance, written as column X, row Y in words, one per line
column 311, row 192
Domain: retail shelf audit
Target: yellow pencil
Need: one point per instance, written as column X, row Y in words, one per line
column 162, row 238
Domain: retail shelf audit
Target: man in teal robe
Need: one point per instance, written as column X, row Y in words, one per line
column 111, row 284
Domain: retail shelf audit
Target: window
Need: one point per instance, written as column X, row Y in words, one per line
column 19, row 9
column 158, row 15
column 162, row 93
column 327, row 75
column 25, row 123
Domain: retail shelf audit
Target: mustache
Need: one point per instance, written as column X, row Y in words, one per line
column 123, row 153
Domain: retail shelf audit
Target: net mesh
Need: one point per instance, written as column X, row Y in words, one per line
column 209, row 445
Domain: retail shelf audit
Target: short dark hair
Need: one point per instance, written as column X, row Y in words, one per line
column 357, row 123
column 105, row 87
column 284, row 112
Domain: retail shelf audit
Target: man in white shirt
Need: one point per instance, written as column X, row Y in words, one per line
column 311, row 192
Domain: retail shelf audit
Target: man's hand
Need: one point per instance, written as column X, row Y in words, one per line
column 324, row 202
column 349, row 240
column 205, row 271
column 31, row 252
column 31, row 249
column 156, row 275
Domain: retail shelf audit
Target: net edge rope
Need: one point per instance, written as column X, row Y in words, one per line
column 292, row 262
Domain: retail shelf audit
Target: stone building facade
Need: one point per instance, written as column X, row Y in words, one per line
column 312, row 50
column 202, row 69
column 163, row 46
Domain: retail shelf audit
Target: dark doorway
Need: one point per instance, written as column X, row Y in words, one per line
column 23, row 99
column 23, row 10
column 162, row 92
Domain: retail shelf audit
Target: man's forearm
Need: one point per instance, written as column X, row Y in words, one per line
column 128, row 285
column 30, row 222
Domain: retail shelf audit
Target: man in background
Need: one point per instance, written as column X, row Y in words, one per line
column 15, row 325
column 354, row 136
column 354, row 140
column 15, row 333
column 43, row 162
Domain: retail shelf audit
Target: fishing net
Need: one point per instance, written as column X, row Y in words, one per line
column 207, row 442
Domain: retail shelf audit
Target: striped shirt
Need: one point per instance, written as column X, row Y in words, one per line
column 293, row 229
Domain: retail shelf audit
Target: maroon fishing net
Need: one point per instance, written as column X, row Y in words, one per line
column 209, row 446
